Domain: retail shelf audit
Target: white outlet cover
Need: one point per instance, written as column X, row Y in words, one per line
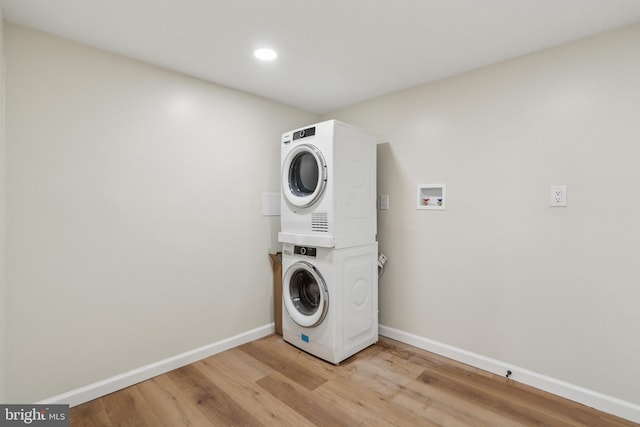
column 558, row 196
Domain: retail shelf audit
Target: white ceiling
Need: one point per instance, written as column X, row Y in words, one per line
column 332, row 53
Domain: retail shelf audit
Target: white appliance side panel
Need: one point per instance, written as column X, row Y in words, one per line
column 358, row 290
column 357, row 272
column 355, row 190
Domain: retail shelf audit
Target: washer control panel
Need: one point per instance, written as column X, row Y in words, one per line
column 304, row 250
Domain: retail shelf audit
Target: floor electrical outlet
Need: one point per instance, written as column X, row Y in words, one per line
column 558, row 196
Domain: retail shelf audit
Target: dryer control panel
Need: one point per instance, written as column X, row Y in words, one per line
column 303, row 133
column 304, row 250
column 299, row 134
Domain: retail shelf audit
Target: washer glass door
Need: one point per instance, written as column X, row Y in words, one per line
column 305, row 294
column 304, row 175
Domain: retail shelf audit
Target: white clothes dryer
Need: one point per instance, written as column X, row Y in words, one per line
column 328, row 186
column 330, row 299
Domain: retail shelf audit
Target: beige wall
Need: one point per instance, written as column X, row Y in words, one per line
column 134, row 230
column 134, row 227
column 2, row 208
column 500, row 273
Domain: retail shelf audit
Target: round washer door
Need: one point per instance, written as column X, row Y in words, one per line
column 305, row 294
column 304, row 175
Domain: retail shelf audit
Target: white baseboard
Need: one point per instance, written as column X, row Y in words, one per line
column 118, row 382
column 602, row 402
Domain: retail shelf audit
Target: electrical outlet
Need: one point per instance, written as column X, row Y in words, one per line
column 558, row 195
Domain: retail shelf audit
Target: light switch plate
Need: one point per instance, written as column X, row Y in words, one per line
column 270, row 204
column 384, row 202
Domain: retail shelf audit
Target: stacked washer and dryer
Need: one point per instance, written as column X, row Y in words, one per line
column 329, row 257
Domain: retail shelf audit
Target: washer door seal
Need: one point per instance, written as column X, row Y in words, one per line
column 305, row 294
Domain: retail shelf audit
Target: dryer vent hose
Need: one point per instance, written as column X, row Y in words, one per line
column 382, row 260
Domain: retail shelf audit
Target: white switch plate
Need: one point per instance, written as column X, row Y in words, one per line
column 270, row 204
column 384, row 202
column 558, row 195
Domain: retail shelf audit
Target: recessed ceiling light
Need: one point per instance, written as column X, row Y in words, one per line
column 265, row 54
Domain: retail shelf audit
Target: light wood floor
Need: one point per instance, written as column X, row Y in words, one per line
column 269, row 382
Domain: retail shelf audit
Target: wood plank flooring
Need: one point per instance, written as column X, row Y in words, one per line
column 271, row 383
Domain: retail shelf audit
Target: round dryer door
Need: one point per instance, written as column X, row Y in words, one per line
column 305, row 294
column 304, row 176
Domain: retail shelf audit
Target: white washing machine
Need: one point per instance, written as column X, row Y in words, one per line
column 328, row 186
column 330, row 299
